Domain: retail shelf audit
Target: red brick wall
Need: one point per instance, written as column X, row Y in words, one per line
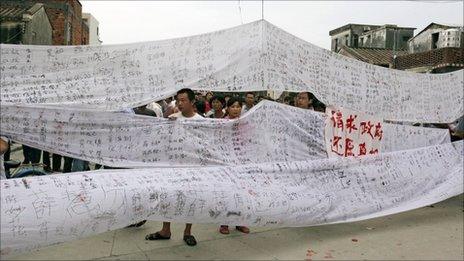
column 60, row 12
column 57, row 19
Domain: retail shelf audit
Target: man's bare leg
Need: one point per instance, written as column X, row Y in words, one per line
column 166, row 230
column 188, row 229
column 163, row 234
column 188, row 238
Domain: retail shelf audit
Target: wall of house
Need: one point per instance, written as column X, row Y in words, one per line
column 66, row 19
column 423, row 41
column 400, row 36
column 450, row 38
column 38, row 30
column 94, row 38
column 350, row 37
column 344, row 38
column 373, row 39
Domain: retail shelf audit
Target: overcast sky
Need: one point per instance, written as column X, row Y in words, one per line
column 136, row 21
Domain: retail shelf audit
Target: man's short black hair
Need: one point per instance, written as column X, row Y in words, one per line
column 252, row 93
column 189, row 92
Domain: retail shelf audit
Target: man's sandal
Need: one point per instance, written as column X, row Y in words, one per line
column 190, row 240
column 243, row 229
column 141, row 223
column 224, row 230
column 156, row 236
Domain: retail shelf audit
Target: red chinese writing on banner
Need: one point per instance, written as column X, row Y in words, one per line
column 337, row 119
column 350, row 133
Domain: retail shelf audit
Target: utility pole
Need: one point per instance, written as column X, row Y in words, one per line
column 262, row 9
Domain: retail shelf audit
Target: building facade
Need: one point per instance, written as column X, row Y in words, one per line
column 436, row 36
column 94, row 32
column 348, row 35
column 389, row 37
column 371, row 36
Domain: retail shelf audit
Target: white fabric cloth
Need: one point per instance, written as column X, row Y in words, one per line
column 43, row 210
column 251, row 57
column 269, row 167
column 269, row 132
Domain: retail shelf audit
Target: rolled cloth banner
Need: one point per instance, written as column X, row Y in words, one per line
column 39, row 211
column 251, row 57
column 269, row 132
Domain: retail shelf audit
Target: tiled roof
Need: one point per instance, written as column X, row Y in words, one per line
column 15, row 12
column 437, row 58
column 371, row 55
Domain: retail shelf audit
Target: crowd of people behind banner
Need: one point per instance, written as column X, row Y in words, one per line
column 186, row 104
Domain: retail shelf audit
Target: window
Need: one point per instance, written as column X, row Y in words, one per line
column 434, row 40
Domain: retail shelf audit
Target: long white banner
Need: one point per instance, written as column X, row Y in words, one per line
column 44, row 210
column 254, row 56
column 269, row 132
column 296, row 65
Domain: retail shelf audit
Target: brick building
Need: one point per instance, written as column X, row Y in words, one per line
column 65, row 17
